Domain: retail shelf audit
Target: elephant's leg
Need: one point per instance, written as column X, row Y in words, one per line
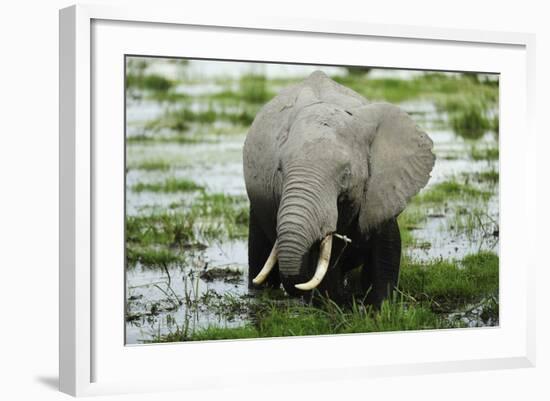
column 381, row 269
column 259, row 248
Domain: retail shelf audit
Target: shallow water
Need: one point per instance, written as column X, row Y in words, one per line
column 215, row 166
column 145, row 287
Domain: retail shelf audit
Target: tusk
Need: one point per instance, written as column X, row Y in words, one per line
column 322, row 266
column 271, row 260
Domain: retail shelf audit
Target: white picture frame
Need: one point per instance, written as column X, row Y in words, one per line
column 93, row 358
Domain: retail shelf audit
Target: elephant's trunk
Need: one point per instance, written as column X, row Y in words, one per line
column 307, row 213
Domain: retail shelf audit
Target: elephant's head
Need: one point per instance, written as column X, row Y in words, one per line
column 344, row 165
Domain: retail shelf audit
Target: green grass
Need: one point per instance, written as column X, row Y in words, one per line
column 394, row 315
column 178, row 138
column 151, row 82
column 469, row 113
column 429, row 297
column 151, row 85
column 450, row 190
column 215, row 333
column 166, row 229
column 253, row 89
column 171, row 184
column 484, row 153
column 208, row 217
column 387, row 89
column 187, row 115
column 495, row 125
column 150, row 257
column 491, row 176
column 243, row 117
column 179, row 120
column 431, row 86
column 288, row 319
column 211, row 136
column 468, row 101
column 153, row 165
column 470, row 123
column 447, row 285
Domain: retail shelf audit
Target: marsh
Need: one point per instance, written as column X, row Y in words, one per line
column 187, row 211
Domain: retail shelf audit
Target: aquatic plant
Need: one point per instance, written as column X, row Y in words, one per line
column 179, row 120
column 447, row 91
column 484, row 153
column 149, row 165
column 448, row 285
column 450, row 190
column 253, row 88
column 209, row 217
column 168, row 230
column 470, row 123
column 171, row 184
column 491, row 176
column 151, row 82
column 150, row 257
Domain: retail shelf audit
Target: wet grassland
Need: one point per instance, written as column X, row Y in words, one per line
column 187, row 210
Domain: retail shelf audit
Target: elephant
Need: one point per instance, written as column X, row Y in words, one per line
column 327, row 173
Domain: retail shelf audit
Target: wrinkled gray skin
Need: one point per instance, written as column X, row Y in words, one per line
column 318, row 159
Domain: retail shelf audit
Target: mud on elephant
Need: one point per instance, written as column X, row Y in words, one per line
column 327, row 173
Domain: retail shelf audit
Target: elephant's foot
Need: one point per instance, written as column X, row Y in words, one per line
column 380, row 272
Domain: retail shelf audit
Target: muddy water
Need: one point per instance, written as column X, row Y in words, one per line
column 148, row 287
column 156, row 306
column 159, row 303
column 453, row 161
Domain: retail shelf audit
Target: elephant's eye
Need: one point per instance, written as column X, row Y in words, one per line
column 345, row 177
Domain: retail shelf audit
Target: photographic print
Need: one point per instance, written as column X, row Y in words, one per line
column 268, row 200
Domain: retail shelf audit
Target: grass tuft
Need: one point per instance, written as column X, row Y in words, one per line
column 470, row 123
column 450, row 190
column 484, row 153
column 209, row 217
column 150, row 257
column 153, row 165
column 254, row 88
column 491, row 176
column 171, row 184
column 179, row 120
column 151, row 82
column 448, row 285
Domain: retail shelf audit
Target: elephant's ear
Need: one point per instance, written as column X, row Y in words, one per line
column 400, row 162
